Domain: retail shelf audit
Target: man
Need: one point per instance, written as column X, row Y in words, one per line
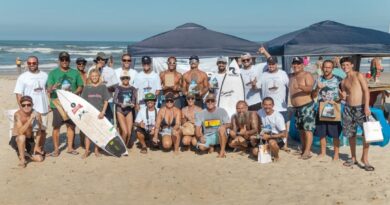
column 217, row 78
column 147, row 81
column 18, row 63
column 172, row 81
column 63, row 78
column 25, row 121
column 81, row 63
column 301, row 87
column 195, row 81
column 327, row 91
column 146, row 122
column 273, row 128
column 245, row 126
column 251, row 77
column 356, row 94
column 109, row 79
column 274, row 84
column 213, row 121
column 126, row 66
column 33, row 83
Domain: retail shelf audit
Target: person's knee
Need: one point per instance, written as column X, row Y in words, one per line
column 194, row 141
column 167, row 143
column 203, row 148
column 140, row 136
column 125, row 133
column 186, row 140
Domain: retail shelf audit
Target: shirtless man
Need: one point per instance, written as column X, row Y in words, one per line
column 245, row 126
column 301, row 87
column 356, row 94
column 26, row 120
column 171, row 81
column 195, row 82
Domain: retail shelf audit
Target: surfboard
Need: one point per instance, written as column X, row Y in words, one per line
column 232, row 90
column 85, row 117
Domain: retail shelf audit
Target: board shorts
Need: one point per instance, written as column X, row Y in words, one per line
column 305, row 117
column 58, row 121
column 211, row 139
column 330, row 129
column 352, row 117
column 30, row 144
column 279, row 141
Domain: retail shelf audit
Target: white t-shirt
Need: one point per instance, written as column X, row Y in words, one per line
column 273, row 122
column 133, row 73
column 141, row 117
column 252, row 96
column 218, row 78
column 147, row 83
column 34, row 85
column 275, row 85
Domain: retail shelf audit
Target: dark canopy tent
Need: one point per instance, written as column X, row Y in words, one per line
column 192, row 39
column 330, row 38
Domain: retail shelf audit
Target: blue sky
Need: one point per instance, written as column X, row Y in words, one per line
column 121, row 20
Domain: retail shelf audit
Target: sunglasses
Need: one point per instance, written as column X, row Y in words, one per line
column 246, row 60
column 26, row 105
column 210, row 101
column 126, row 60
column 32, row 63
column 125, row 78
column 169, row 101
column 190, row 98
column 221, row 62
column 194, row 61
column 64, row 59
column 174, row 63
column 100, row 59
column 80, row 64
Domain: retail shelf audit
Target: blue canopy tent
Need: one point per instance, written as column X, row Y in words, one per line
column 192, row 39
column 330, row 38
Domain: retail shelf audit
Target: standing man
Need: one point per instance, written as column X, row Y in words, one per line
column 147, row 81
column 196, row 82
column 214, row 122
column 33, row 83
column 274, row 84
column 18, row 63
column 327, row 91
column 301, row 87
column 217, row 78
column 356, row 94
column 251, row 77
column 172, row 81
column 63, row 78
column 126, row 66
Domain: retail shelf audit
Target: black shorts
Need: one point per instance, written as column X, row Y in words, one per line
column 58, row 121
column 279, row 141
column 330, row 129
column 30, row 144
column 255, row 107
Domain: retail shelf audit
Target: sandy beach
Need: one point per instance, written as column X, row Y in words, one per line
column 163, row 178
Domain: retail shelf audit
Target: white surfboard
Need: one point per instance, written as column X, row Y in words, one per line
column 232, row 89
column 85, row 117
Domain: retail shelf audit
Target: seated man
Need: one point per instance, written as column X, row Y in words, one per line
column 26, row 121
column 273, row 128
column 245, row 125
column 214, row 122
column 146, row 121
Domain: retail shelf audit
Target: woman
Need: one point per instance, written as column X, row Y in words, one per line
column 188, row 122
column 376, row 68
column 125, row 98
column 96, row 93
column 168, row 124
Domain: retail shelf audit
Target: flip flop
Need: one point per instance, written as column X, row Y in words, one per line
column 53, row 154
column 350, row 163
column 368, row 168
column 73, row 152
column 144, row 150
column 306, row 157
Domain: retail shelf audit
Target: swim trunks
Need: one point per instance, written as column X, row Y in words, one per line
column 30, row 144
column 305, row 117
column 352, row 117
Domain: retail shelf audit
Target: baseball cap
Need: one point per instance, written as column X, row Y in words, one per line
column 210, row 96
column 100, row 55
column 190, row 95
column 146, row 60
column 64, row 54
column 150, row 97
column 26, row 98
column 194, row 57
column 169, row 96
column 221, row 59
column 297, row 59
column 272, row 60
column 81, row 60
column 124, row 73
column 246, row 55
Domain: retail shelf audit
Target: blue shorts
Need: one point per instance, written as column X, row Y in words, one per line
column 330, row 129
column 211, row 139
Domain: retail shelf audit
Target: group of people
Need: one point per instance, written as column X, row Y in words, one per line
column 188, row 115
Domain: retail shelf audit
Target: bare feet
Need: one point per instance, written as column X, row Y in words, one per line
column 22, row 164
column 222, row 155
column 97, row 154
column 85, row 155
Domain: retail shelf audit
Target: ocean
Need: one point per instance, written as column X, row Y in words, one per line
column 47, row 52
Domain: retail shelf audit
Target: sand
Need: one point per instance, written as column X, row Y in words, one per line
column 163, row 178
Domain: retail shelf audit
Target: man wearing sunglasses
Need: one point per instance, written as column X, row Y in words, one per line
column 217, row 78
column 171, row 81
column 25, row 121
column 251, row 77
column 64, row 78
column 33, row 83
column 80, row 64
column 195, row 82
column 126, row 66
column 210, row 126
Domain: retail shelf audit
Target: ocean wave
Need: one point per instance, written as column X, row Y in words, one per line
column 28, row 50
column 82, row 52
column 47, row 65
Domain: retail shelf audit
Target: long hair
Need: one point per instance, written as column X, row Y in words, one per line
column 94, row 70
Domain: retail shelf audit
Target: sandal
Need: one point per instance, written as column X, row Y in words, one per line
column 306, row 157
column 144, row 150
column 350, row 163
column 53, row 154
column 73, row 152
column 368, row 168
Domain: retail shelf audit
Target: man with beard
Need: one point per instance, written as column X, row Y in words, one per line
column 217, row 78
column 195, row 82
column 171, row 81
column 245, row 126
